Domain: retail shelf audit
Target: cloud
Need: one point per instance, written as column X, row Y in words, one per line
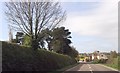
column 81, row 0
column 95, row 23
column 101, row 22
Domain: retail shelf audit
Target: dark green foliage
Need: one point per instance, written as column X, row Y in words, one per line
column 72, row 52
column 102, row 61
column 113, row 62
column 113, row 54
column 58, row 40
column 61, row 40
column 20, row 58
column 35, row 44
column 14, row 41
column 96, row 61
column 45, row 36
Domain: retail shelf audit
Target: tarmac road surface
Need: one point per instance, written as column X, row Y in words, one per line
column 91, row 68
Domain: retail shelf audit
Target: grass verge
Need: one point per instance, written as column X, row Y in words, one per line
column 114, row 66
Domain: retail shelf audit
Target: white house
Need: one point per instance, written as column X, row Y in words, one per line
column 98, row 55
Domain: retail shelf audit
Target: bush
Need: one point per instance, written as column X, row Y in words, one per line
column 102, row 61
column 95, row 61
column 114, row 63
column 20, row 58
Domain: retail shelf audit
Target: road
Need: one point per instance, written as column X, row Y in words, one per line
column 91, row 68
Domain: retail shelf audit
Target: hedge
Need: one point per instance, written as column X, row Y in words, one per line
column 20, row 58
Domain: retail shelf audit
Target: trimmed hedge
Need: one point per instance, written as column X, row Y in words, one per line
column 20, row 58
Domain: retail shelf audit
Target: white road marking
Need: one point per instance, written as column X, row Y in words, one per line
column 90, row 68
column 91, row 71
column 82, row 66
column 72, row 68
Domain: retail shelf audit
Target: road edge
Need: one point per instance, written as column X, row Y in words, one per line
column 72, row 67
column 67, row 67
column 108, row 67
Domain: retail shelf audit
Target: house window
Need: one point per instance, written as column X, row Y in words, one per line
column 101, row 55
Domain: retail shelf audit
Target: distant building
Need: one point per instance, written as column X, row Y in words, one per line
column 19, row 37
column 10, row 35
column 97, row 55
column 84, row 57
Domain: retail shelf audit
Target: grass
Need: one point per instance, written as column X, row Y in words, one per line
column 111, row 62
column 21, row 58
column 114, row 63
column 115, row 66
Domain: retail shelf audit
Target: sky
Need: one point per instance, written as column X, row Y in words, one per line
column 93, row 24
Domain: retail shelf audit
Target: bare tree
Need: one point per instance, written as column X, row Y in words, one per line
column 32, row 17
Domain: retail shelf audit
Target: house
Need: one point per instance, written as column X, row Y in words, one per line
column 97, row 56
column 19, row 37
column 102, row 56
column 85, row 57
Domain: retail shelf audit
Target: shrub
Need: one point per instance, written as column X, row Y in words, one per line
column 20, row 58
column 95, row 61
column 102, row 61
